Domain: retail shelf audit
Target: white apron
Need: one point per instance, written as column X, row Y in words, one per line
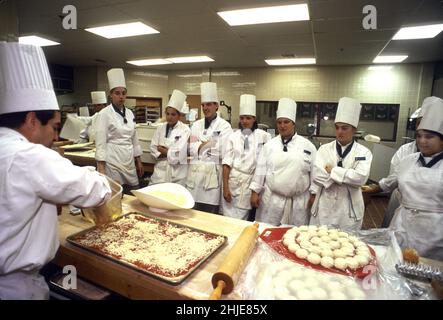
column 23, row 286
column 241, row 195
column 419, row 220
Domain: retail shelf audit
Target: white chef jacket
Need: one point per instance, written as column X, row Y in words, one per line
column 117, row 144
column 88, row 133
column 33, row 179
column 204, row 177
column 173, row 168
column 418, row 221
column 339, row 198
column 283, row 180
column 242, row 162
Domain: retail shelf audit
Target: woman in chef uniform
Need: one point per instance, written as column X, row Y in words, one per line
column 33, row 177
column 99, row 101
column 418, row 221
column 341, row 169
column 118, row 150
column 282, row 178
column 170, row 143
column 240, row 159
column 207, row 143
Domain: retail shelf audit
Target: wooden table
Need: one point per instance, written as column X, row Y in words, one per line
column 133, row 284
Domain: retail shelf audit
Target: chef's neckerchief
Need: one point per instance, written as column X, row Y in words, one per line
column 208, row 122
column 285, row 143
column 432, row 162
column 122, row 113
column 343, row 155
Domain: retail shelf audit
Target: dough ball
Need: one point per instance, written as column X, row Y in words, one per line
column 315, row 249
column 337, row 295
column 340, row 263
column 285, row 275
column 327, row 262
column 339, row 253
column 312, row 227
column 352, row 263
column 359, row 244
column 293, row 247
column 327, row 253
column 302, row 238
column 355, row 293
column 343, row 234
column 296, row 285
column 325, row 238
column 362, row 260
column 333, row 235
column 319, row 293
column 303, row 228
column 282, row 293
column 311, row 233
column 349, row 252
column 304, row 294
column 347, row 244
column 311, row 282
column 335, row 244
column 315, row 240
column 324, row 245
column 301, row 253
column 279, row 282
column 287, row 242
column 322, row 232
column 306, row 244
column 333, row 286
column 314, row 258
column 353, row 239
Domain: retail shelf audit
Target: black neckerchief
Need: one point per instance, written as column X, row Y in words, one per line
column 343, row 155
column 169, row 129
column 208, row 122
column 285, row 143
column 122, row 113
column 431, row 163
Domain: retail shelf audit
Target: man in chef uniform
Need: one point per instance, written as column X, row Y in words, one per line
column 239, row 161
column 33, row 177
column 282, row 179
column 118, row 150
column 418, row 221
column 207, row 144
column 99, row 101
column 169, row 145
column 341, row 169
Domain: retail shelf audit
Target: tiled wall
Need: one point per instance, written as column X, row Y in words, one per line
column 406, row 84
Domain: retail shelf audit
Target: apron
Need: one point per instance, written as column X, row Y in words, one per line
column 419, row 220
column 120, row 164
column 23, row 286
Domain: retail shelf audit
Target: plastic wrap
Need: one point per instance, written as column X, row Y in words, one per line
column 270, row 276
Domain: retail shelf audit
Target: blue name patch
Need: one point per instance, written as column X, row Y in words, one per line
column 360, row 158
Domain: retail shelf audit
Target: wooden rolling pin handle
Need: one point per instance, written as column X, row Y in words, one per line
column 217, row 292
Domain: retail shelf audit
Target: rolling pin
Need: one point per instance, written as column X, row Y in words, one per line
column 226, row 277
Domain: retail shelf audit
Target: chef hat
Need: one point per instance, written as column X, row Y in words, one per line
column 83, row 111
column 116, row 78
column 247, row 105
column 433, row 115
column 25, row 82
column 348, row 111
column 426, row 102
column 98, row 97
column 209, row 92
column 177, row 99
column 287, row 108
column 185, row 108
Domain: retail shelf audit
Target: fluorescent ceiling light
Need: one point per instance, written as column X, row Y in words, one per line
column 296, row 12
column 389, row 59
column 37, row 41
column 149, row 62
column 375, row 68
column 190, row 59
column 122, row 30
column 419, row 32
column 292, row 61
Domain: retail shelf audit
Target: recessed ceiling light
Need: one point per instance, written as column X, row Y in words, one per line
column 149, row 62
column 389, row 59
column 123, row 30
column 190, row 59
column 37, row 41
column 296, row 12
column 293, row 61
column 419, row 32
column 379, row 68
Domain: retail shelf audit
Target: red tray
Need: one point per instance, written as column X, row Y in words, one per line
column 273, row 237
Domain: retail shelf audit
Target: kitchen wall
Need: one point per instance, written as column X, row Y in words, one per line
column 405, row 84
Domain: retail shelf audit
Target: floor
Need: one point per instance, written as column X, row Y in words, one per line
column 375, row 211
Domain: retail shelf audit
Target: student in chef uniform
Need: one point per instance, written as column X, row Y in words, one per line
column 341, row 169
column 240, row 159
column 169, row 144
column 207, row 143
column 99, row 102
column 282, row 178
column 386, row 183
column 118, row 150
column 33, row 177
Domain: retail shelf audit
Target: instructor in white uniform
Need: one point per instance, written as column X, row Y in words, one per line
column 239, row 161
column 118, row 150
column 418, row 221
column 207, row 144
column 341, row 169
column 33, row 178
column 282, row 179
column 169, row 145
